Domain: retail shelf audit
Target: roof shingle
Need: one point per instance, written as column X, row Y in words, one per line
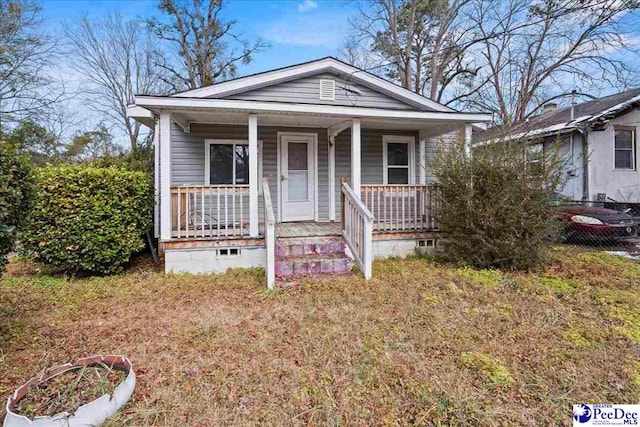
column 587, row 113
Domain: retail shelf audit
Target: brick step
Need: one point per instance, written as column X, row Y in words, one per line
column 286, row 247
column 305, row 265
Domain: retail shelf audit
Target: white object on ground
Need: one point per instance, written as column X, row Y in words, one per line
column 94, row 413
column 624, row 254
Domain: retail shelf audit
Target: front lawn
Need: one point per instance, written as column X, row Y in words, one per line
column 421, row 343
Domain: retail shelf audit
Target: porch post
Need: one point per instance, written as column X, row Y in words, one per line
column 468, row 135
column 253, row 175
column 156, row 179
column 332, row 177
column 355, row 156
column 165, row 175
column 422, row 161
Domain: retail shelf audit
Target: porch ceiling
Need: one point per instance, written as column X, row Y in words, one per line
column 431, row 127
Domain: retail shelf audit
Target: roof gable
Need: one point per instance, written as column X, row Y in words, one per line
column 306, row 90
column 349, row 77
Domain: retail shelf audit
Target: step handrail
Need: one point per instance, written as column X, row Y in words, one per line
column 357, row 230
column 269, row 234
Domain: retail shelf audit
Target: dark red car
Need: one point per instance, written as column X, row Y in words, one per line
column 590, row 223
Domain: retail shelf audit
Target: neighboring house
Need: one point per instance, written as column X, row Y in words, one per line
column 598, row 141
column 236, row 157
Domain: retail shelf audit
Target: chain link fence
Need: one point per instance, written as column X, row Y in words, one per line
column 602, row 225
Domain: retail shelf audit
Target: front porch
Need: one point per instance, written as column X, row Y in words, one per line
column 222, row 212
column 231, row 194
column 214, row 220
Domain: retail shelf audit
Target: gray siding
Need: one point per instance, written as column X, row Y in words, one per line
column 188, row 153
column 431, row 147
column 372, row 166
column 306, row 90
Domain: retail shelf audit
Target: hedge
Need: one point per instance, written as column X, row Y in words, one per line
column 89, row 219
column 17, row 192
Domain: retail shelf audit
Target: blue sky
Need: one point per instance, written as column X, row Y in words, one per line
column 297, row 30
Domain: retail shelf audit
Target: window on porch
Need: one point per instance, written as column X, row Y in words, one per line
column 227, row 162
column 398, row 159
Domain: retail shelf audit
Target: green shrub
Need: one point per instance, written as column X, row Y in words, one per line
column 17, row 192
column 89, row 219
column 496, row 209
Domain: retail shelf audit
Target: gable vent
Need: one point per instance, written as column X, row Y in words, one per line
column 328, row 90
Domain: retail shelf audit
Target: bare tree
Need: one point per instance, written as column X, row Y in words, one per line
column 116, row 57
column 352, row 52
column 205, row 48
column 537, row 52
column 25, row 54
column 422, row 43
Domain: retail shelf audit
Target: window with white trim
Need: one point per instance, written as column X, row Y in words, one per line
column 534, row 155
column 533, row 152
column 227, row 162
column 624, row 147
column 398, row 159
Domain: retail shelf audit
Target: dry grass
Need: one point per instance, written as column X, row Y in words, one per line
column 421, row 343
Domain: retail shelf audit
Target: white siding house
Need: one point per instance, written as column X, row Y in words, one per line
column 598, row 141
column 334, row 155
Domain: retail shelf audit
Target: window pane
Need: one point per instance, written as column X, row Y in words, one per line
column 242, row 164
column 534, row 152
column 221, row 164
column 623, row 159
column 298, row 159
column 398, row 154
column 624, row 139
column 298, row 185
column 398, row 175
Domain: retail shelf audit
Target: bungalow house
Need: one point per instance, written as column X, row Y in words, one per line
column 298, row 170
column 598, row 141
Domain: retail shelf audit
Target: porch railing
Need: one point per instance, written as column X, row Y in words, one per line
column 398, row 208
column 220, row 211
column 269, row 234
column 357, row 229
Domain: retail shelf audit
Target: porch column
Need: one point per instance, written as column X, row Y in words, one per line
column 253, row 175
column 422, row 160
column 468, row 136
column 355, row 156
column 156, row 179
column 165, row 175
column 332, row 177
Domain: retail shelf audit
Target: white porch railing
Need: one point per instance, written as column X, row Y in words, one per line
column 357, row 229
column 269, row 234
column 400, row 208
column 220, row 211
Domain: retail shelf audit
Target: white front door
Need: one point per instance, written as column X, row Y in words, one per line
column 297, row 176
